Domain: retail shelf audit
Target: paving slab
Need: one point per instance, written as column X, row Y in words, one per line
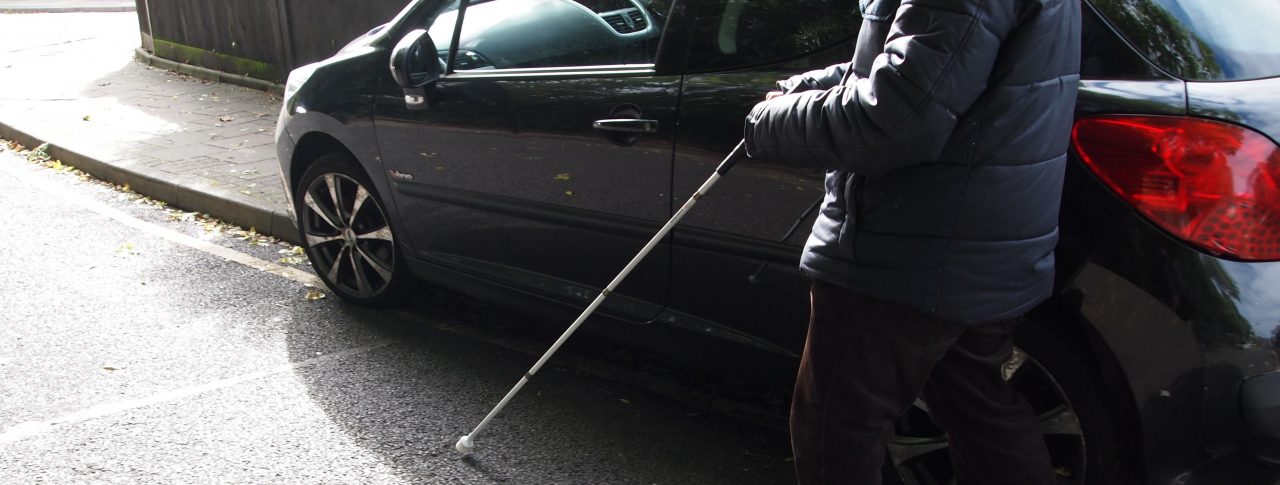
column 71, row 80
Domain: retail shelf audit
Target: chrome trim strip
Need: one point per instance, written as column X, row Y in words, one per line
column 549, row 72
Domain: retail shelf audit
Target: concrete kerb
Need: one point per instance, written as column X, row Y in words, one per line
column 206, row 73
column 207, row 200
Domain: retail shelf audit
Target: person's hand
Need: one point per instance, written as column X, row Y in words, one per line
column 773, row 94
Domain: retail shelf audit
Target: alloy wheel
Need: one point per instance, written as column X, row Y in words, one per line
column 919, row 451
column 350, row 241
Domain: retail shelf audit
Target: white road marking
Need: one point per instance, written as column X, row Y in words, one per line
column 32, row 428
column 100, row 208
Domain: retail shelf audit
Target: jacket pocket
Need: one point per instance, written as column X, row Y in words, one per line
column 849, row 189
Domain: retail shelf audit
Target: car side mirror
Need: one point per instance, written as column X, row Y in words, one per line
column 416, row 65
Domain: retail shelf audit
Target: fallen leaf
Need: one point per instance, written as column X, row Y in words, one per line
column 112, row 369
column 296, row 255
column 568, row 192
column 314, row 294
column 562, row 177
column 624, row 401
column 40, row 154
column 88, row 118
column 225, row 119
column 185, row 216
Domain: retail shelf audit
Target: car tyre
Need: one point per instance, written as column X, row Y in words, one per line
column 347, row 233
column 1053, row 369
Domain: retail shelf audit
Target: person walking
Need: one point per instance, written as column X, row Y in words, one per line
column 945, row 142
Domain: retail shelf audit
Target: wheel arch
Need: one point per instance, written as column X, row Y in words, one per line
column 1059, row 318
column 311, row 147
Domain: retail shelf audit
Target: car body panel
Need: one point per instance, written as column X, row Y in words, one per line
column 1250, row 103
column 1186, row 327
column 335, row 106
column 521, row 185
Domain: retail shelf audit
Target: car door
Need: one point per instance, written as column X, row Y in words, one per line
column 541, row 160
column 736, row 256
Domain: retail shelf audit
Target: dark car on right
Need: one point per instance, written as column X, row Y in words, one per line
column 1171, row 232
column 523, row 150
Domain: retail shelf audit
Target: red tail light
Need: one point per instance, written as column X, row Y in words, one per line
column 1210, row 183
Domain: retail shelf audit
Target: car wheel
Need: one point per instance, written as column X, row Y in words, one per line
column 1080, row 429
column 347, row 234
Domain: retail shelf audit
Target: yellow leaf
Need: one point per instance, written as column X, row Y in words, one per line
column 563, row 177
column 568, row 192
column 314, row 294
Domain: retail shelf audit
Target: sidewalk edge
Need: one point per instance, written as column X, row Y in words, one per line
column 265, row 221
column 27, row 10
column 206, row 73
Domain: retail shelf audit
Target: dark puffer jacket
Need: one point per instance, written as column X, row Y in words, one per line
column 945, row 141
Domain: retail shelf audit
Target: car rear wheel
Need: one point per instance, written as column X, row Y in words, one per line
column 1062, row 387
column 347, row 234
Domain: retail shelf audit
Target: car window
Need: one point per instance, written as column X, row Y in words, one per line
column 512, row 34
column 739, row 33
column 1202, row 39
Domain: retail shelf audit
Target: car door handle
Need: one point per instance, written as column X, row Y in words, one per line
column 627, row 125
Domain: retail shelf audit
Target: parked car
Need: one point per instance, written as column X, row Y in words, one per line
column 524, row 150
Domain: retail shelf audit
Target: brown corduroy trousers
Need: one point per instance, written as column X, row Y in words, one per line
column 866, row 361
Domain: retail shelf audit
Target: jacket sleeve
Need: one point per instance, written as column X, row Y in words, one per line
column 820, row 79
column 936, row 62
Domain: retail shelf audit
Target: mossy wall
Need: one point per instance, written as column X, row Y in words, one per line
column 262, row 39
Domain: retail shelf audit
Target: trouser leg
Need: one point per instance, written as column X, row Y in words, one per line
column 993, row 432
column 865, row 362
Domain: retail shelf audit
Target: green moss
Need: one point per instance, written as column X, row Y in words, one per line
column 217, row 61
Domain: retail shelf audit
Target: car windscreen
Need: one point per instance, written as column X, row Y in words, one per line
column 1207, row 40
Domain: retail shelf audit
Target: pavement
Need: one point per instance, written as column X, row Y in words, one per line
column 72, row 80
column 64, row 6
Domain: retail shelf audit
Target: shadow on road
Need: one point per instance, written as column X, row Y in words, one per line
column 411, row 401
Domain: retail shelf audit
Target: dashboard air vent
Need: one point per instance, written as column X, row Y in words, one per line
column 626, row 21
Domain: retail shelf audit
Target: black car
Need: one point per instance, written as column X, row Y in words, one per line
column 524, row 150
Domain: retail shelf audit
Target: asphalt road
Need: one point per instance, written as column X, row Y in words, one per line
column 130, row 353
